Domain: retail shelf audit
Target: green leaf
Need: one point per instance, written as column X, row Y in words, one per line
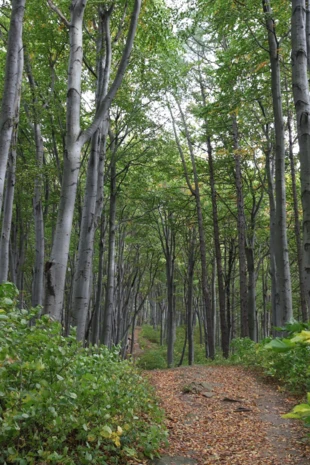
column 279, row 345
column 106, row 432
column 291, row 415
column 302, row 408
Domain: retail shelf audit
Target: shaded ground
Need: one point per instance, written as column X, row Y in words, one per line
column 225, row 415
column 137, row 351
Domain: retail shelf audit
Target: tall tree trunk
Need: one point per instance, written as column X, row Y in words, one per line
column 109, row 302
column 190, row 289
column 302, row 107
column 10, row 187
column 281, row 244
column 170, row 309
column 251, row 291
column 241, row 222
column 94, row 185
column 7, row 214
column 275, row 299
column 95, row 333
column 209, row 318
column 11, row 87
column 218, row 255
column 301, row 271
column 228, row 278
column 38, row 274
column 57, row 266
column 75, row 139
column 308, row 32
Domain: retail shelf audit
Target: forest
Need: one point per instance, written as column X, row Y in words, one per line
column 154, row 170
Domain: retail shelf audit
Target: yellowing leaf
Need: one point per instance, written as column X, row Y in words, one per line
column 261, row 65
column 106, row 432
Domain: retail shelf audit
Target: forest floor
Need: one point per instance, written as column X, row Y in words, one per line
column 227, row 415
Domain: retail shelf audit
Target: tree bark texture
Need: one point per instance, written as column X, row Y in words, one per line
column 241, row 226
column 302, row 107
column 11, row 87
column 218, row 255
column 301, row 270
column 209, row 318
column 75, row 139
column 38, row 273
column 10, row 181
column 281, row 245
column 57, row 266
column 109, row 302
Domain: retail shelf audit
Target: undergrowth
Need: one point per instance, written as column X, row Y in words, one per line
column 155, row 356
column 64, row 404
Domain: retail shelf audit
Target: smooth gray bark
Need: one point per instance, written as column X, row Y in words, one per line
column 109, row 302
column 75, row 139
column 7, row 214
column 308, row 32
column 218, row 256
column 94, row 186
column 166, row 235
column 38, row 273
column 302, row 277
column 275, row 299
column 11, row 87
column 281, row 244
column 216, row 237
column 57, row 266
column 10, row 182
column 209, row 317
column 190, row 291
column 241, row 227
column 302, row 107
column 97, row 317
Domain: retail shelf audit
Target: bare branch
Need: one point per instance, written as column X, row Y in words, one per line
column 59, row 13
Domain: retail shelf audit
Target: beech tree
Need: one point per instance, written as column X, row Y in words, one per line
column 182, row 216
column 75, row 139
column 12, row 83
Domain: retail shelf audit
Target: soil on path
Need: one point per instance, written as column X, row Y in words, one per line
column 137, row 351
column 225, row 415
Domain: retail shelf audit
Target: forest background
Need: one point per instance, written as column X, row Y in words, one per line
column 149, row 166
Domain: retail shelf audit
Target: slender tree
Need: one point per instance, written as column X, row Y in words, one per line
column 281, row 244
column 302, row 107
column 75, row 139
column 11, row 87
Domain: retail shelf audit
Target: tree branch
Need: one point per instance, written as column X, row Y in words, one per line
column 106, row 102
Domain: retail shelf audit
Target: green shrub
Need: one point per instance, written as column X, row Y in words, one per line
column 151, row 334
column 301, row 412
column 286, row 360
column 153, row 359
column 244, row 351
column 63, row 404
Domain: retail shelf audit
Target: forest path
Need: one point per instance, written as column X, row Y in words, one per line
column 225, row 415
column 137, row 351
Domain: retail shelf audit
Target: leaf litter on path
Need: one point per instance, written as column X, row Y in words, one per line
column 217, row 430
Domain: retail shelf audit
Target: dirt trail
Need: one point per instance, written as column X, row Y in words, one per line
column 224, row 415
column 137, row 351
